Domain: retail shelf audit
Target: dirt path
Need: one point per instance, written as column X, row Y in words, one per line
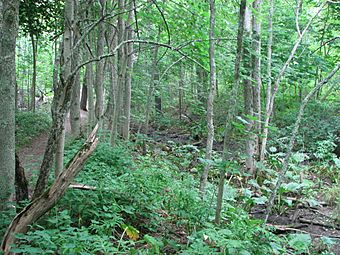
column 31, row 155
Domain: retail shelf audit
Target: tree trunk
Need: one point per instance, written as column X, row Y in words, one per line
column 67, row 66
column 248, row 98
column 9, row 10
column 21, row 185
column 128, row 81
column 232, row 107
column 83, row 100
column 256, row 73
column 180, row 90
column 99, row 79
column 34, row 42
column 151, row 88
column 269, row 74
column 121, row 68
column 75, row 99
column 210, row 106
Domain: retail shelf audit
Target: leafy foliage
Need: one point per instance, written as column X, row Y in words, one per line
column 29, row 125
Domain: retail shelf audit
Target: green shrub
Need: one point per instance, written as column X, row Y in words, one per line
column 29, row 125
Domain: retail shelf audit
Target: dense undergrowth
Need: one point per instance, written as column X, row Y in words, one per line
column 28, row 125
column 149, row 204
column 147, row 201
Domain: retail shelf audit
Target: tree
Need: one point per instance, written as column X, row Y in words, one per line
column 232, row 107
column 9, row 11
column 212, row 91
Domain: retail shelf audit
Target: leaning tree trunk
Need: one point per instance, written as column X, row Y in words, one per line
column 8, row 32
column 42, row 204
column 232, row 108
column 284, row 168
column 212, row 92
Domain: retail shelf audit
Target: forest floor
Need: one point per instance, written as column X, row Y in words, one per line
column 317, row 220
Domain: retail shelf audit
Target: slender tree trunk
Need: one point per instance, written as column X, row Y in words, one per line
column 151, row 88
column 9, row 12
column 212, row 92
column 256, row 73
column 293, row 137
column 56, row 65
column 121, row 69
column 34, row 42
column 99, row 79
column 128, row 81
column 232, row 107
column 280, row 75
column 269, row 75
column 83, row 100
column 75, row 99
column 180, row 91
column 248, row 98
column 67, row 66
column 89, row 84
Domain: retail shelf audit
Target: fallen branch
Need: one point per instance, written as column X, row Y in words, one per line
column 41, row 205
column 82, row 186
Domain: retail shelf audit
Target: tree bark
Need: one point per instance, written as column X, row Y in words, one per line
column 121, row 68
column 75, row 99
column 212, row 92
column 232, row 107
column 9, row 11
column 128, row 81
column 269, row 74
column 99, row 78
column 42, row 204
column 21, row 185
column 256, row 72
column 248, row 98
column 83, row 100
column 34, row 42
column 67, row 66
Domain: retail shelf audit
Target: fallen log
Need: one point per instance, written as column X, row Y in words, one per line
column 38, row 207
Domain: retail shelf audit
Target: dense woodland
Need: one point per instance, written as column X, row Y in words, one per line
column 169, row 127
